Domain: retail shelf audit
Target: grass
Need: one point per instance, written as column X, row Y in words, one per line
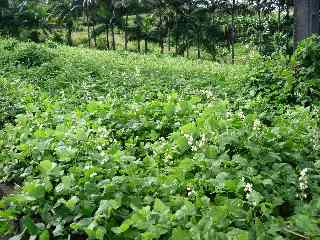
column 243, row 54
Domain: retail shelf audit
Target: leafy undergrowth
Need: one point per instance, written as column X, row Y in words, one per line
column 120, row 146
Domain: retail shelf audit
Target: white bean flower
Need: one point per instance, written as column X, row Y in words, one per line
column 248, row 188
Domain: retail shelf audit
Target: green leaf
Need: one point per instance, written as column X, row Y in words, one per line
column 58, row 231
column 180, row 234
column 72, row 202
column 305, row 224
column 186, row 210
column 44, row 235
column 34, row 190
column 231, row 185
column 31, row 227
column 46, row 167
column 238, row 234
column 100, row 232
column 65, row 185
column 106, row 207
column 254, row 198
column 82, row 224
column 124, row 226
column 160, row 207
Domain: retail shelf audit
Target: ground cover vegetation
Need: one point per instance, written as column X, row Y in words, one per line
column 117, row 145
column 168, row 144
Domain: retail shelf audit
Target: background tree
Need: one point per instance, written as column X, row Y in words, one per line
column 66, row 12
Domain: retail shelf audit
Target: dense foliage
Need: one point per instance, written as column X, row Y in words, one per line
column 208, row 28
column 106, row 145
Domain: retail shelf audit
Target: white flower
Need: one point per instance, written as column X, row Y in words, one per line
column 168, row 158
column 304, row 172
column 303, row 183
column 189, row 139
column 177, row 124
column 256, row 124
column 248, row 188
column 194, row 148
column 241, row 115
column 190, row 191
column 93, row 175
column 228, row 114
column 137, row 71
column 203, row 141
column 303, row 186
column 87, row 167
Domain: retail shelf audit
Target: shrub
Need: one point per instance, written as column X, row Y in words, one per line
column 279, row 82
column 270, row 78
column 9, row 106
column 306, row 64
column 32, row 55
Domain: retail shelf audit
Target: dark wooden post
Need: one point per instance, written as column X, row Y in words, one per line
column 306, row 19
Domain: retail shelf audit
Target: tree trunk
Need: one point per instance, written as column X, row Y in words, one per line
column 138, row 43
column 107, row 36
column 187, row 47
column 279, row 16
column 233, row 32
column 260, row 29
column 69, row 36
column 126, row 32
column 145, row 45
column 88, row 31
column 177, row 35
column 177, row 44
column 183, row 42
column 169, row 40
column 161, row 36
column 198, row 46
column 306, row 19
column 113, row 38
column 94, row 35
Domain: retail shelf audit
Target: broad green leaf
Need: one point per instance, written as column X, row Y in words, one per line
column 72, row 202
column 254, row 198
column 100, row 232
column 180, row 234
column 238, row 234
column 160, row 207
column 44, row 235
column 46, row 167
column 124, row 226
column 34, row 190
column 31, row 227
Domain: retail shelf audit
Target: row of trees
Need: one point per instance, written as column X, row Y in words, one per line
column 175, row 24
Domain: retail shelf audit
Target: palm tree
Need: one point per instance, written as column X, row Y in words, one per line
column 66, row 12
column 199, row 18
column 160, row 7
column 124, row 6
column 89, row 7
